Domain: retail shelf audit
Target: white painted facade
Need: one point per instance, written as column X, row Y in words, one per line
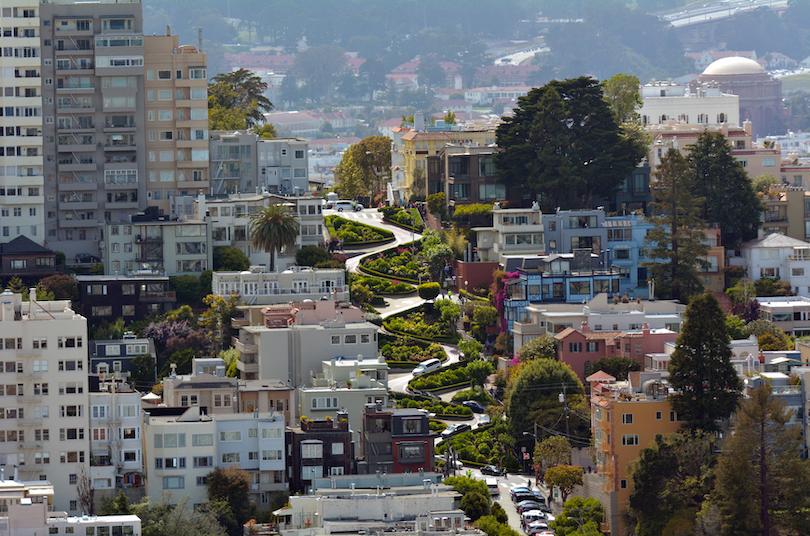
column 777, row 255
column 22, row 209
column 44, row 399
column 295, row 283
column 182, row 450
column 667, row 101
column 514, row 231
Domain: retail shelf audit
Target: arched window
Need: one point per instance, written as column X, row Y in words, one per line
column 721, row 118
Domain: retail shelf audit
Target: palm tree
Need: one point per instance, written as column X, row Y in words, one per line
column 272, row 228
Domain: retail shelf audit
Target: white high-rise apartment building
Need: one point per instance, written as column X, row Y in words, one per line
column 43, row 377
column 21, row 177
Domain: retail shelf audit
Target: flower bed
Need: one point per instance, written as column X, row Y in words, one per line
column 452, row 376
column 400, row 263
column 437, row 407
column 409, row 219
column 403, row 351
column 384, row 286
column 482, row 446
column 352, row 232
column 420, row 324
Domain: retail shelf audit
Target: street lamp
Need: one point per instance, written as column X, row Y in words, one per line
column 465, row 288
column 563, row 400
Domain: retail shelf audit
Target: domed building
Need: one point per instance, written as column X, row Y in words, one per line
column 760, row 94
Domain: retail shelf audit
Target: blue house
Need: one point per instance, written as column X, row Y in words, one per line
column 625, row 242
column 557, row 278
column 113, row 358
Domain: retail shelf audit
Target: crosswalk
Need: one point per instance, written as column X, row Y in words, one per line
column 368, row 214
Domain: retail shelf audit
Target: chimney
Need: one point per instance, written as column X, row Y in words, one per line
column 748, row 127
column 584, row 327
column 32, row 295
column 645, row 329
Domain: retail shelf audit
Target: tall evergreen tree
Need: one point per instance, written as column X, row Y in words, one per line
column 239, row 95
column 762, row 483
column 728, row 194
column 676, row 242
column 700, row 369
column 564, row 142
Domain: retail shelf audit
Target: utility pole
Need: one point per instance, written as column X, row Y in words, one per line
column 564, row 399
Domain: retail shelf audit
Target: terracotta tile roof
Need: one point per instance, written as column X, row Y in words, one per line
column 600, row 375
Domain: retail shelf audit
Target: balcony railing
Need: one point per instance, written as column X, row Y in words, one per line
column 168, row 295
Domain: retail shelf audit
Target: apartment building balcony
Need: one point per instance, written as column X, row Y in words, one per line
column 72, row 49
column 165, row 296
column 527, row 328
column 237, row 323
column 31, row 421
column 121, row 205
column 244, row 348
column 192, row 144
column 77, row 166
column 247, row 366
column 29, row 375
column 140, row 239
column 30, row 445
column 76, row 147
column 78, row 205
column 29, row 352
column 77, row 88
column 78, row 223
column 76, row 186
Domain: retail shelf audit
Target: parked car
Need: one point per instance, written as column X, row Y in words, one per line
column 454, row 429
column 473, row 405
column 524, row 495
column 484, row 420
column 525, row 506
column 83, row 258
column 518, row 489
column 457, row 463
column 539, row 528
column 491, row 470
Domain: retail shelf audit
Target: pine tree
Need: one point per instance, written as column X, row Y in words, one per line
column 676, row 242
column 700, row 369
column 762, row 483
column 729, row 196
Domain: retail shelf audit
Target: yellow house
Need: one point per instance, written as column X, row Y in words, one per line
column 417, row 146
column 625, row 418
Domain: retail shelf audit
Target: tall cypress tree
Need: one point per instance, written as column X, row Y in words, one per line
column 728, row 193
column 700, row 368
column 676, row 241
column 762, row 483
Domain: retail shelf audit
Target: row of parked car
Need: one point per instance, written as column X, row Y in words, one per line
column 535, row 515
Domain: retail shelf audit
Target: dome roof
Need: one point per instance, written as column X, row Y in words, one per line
column 734, row 65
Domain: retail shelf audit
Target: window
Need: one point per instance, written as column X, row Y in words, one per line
column 312, row 449
column 197, row 74
column 623, row 483
column 272, row 433
column 630, row 440
column 329, row 402
column 271, row 455
column 411, row 452
column 627, row 418
column 335, row 339
column 202, row 440
column 337, row 449
column 350, row 339
column 232, row 435
column 203, row 461
column 230, row 457
column 173, row 482
column 592, row 346
column 657, row 415
column 575, row 347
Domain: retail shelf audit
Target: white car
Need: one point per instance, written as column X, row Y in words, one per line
column 347, row 206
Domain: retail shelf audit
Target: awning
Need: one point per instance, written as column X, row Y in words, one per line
column 150, row 396
column 284, row 511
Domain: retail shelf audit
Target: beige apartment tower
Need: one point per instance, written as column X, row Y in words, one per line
column 176, row 121
column 21, row 178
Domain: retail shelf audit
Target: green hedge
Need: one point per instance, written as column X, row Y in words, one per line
column 392, row 215
column 354, row 233
column 379, row 285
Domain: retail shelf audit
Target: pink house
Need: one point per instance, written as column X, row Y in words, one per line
column 579, row 348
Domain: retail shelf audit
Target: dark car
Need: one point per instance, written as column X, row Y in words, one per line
column 491, row 470
column 524, row 496
column 519, row 489
column 525, row 506
column 473, row 405
column 83, row 258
